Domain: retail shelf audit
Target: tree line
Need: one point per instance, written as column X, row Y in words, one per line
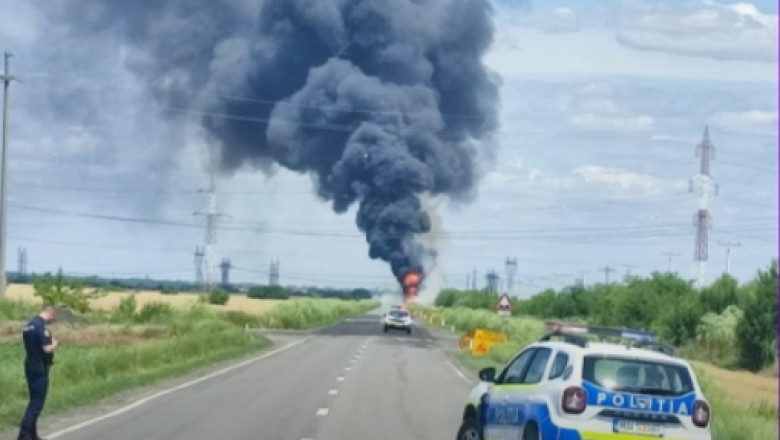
column 726, row 323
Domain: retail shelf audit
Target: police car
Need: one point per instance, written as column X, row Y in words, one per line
column 576, row 389
column 398, row 319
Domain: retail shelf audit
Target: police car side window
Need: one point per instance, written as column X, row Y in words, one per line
column 515, row 371
column 538, row 366
column 559, row 365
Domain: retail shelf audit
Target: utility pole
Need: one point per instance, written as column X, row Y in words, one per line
column 511, row 271
column 7, row 78
column 628, row 269
column 607, row 270
column 729, row 245
column 669, row 255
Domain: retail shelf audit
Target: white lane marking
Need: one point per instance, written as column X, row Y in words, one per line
column 347, row 368
column 147, row 399
column 340, row 378
column 322, row 412
column 333, row 392
column 458, row 372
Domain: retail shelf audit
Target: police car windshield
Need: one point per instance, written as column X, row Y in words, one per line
column 637, row 376
column 398, row 314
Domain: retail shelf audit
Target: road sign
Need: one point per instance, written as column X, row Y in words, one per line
column 504, row 306
column 483, row 339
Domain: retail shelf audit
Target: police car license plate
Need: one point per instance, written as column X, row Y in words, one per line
column 641, row 428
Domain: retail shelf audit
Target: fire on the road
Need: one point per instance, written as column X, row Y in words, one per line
column 411, row 285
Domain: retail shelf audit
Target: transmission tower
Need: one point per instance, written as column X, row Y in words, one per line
column 273, row 274
column 225, row 267
column 706, row 186
column 729, row 245
column 511, row 271
column 212, row 215
column 199, row 254
column 607, row 270
column 492, row 281
column 22, row 253
column 474, row 280
column 629, row 267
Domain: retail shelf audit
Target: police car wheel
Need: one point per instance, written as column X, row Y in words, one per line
column 469, row 430
column 531, row 432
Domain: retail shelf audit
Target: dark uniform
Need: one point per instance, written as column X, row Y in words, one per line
column 36, row 370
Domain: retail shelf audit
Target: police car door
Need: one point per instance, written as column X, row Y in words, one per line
column 501, row 407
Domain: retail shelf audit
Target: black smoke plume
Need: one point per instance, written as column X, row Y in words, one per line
column 382, row 100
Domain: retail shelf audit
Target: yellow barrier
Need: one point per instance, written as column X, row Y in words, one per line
column 483, row 339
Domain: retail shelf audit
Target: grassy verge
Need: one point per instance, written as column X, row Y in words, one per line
column 730, row 420
column 86, row 371
column 308, row 313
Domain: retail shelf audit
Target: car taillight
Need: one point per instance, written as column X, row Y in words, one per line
column 574, row 400
column 701, row 413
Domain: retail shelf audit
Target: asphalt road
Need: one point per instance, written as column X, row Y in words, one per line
column 348, row 382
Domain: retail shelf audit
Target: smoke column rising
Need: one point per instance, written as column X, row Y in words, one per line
column 380, row 100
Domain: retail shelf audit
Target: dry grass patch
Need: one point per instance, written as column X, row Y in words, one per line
column 237, row 302
column 90, row 335
column 742, row 387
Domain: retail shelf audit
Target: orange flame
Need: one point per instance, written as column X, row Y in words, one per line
column 411, row 285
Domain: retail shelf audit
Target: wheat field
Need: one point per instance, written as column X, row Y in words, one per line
column 237, row 302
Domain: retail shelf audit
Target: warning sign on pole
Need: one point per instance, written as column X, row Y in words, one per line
column 504, row 306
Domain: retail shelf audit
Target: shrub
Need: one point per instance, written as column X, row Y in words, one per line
column 218, row 296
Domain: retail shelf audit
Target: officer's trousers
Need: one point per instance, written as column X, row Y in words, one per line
column 38, row 386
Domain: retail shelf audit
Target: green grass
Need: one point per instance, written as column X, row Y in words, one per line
column 308, row 313
column 16, row 310
column 730, row 421
column 85, row 374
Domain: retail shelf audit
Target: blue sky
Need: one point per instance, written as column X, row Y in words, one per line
column 602, row 106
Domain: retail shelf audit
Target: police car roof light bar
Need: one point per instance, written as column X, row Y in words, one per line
column 567, row 337
column 655, row 346
column 610, row 332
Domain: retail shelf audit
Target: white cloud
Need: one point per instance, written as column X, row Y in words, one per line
column 626, row 124
column 616, row 177
column 755, row 121
column 701, row 29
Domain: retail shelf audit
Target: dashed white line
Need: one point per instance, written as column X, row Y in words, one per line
column 347, row 368
column 458, row 372
column 322, row 412
column 146, row 399
column 340, row 378
column 333, row 392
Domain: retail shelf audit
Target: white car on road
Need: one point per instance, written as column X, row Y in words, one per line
column 576, row 389
column 398, row 319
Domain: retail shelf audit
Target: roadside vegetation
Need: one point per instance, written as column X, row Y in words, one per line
column 728, row 331
column 133, row 343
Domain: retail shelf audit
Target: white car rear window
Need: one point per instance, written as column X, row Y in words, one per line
column 637, row 376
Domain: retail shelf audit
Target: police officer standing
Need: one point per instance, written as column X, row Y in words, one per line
column 39, row 345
